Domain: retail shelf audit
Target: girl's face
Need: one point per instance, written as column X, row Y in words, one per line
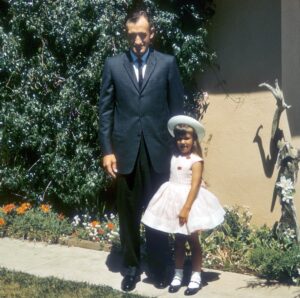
column 185, row 143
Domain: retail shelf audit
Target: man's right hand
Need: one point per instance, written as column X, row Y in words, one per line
column 110, row 164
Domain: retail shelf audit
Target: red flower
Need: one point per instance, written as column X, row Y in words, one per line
column 101, row 232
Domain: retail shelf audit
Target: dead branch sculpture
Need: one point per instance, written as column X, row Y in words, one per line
column 288, row 159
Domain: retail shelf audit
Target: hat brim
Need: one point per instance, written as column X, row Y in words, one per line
column 182, row 119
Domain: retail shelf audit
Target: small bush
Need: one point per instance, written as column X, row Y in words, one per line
column 276, row 264
column 236, row 246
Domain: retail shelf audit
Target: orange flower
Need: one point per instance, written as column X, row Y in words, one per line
column 110, row 225
column 2, row 221
column 94, row 223
column 23, row 208
column 8, row 208
column 45, row 208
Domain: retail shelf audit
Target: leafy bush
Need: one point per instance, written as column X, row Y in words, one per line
column 226, row 246
column 52, row 55
column 277, row 264
column 237, row 246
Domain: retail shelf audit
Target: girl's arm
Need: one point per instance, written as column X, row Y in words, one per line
column 197, row 169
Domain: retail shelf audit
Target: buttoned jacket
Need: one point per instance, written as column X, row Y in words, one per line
column 128, row 112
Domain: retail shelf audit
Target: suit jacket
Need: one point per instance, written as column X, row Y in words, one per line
column 128, row 113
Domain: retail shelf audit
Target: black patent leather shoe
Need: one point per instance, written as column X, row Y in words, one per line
column 129, row 282
column 174, row 289
column 192, row 291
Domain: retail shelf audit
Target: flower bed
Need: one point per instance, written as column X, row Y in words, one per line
column 41, row 223
column 234, row 246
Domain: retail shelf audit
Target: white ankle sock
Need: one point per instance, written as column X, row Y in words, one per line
column 177, row 279
column 195, row 281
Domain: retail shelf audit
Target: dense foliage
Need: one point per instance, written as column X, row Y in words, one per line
column 51, row 59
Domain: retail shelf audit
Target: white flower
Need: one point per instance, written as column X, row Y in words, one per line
column 76, row 218
column 287, row 198
column 285, row 184
column 205, row 96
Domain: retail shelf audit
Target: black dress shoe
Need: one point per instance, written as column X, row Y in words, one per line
column 161, row 283
column 192, row 291
column 129, row 282
column 174, row 289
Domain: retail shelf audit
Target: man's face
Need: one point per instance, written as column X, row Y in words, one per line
column 139, row 35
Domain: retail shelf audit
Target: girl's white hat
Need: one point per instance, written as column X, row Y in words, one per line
column 182, row 119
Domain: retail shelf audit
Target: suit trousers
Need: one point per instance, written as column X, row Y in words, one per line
column 133, row 194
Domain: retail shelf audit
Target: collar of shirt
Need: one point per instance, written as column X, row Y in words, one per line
column 135, row 58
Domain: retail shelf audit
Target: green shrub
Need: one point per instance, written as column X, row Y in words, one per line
column 226, row 246
column 52, row 55
column 277, row 264
column 237, row 246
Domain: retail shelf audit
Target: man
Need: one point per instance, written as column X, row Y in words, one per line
column 140, row 91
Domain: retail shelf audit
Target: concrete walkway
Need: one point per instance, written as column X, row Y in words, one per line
column 102, row 268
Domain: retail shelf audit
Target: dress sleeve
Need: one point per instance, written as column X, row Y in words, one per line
column 195, row 158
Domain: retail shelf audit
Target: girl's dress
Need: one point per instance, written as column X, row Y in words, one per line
column 165, row 206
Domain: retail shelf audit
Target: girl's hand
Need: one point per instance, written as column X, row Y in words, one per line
column 183, row 216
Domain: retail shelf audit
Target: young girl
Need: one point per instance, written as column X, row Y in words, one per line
column 182, row 205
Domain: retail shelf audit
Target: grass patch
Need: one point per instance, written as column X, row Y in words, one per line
column 18, row 284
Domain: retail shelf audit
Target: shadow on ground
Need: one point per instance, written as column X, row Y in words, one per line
column 114, row 264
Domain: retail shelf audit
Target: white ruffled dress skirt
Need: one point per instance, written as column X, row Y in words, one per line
column 163, row 209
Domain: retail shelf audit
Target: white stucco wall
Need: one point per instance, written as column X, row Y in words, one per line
column 247, row 36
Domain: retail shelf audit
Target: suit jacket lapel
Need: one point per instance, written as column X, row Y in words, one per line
column 151, row 63
column 129, row 68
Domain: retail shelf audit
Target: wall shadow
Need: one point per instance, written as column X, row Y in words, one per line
column 269, row 161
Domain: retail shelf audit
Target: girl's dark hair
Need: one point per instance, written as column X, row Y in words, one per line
column 181, row 130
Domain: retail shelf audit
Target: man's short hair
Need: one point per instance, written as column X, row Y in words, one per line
column 136, row 15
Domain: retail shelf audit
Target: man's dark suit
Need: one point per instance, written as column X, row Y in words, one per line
column 133, row 122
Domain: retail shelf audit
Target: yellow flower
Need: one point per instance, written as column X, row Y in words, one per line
column 45, row 208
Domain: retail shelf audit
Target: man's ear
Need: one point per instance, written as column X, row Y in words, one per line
column 152, row 32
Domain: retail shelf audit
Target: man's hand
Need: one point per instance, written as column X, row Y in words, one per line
column 110, row 164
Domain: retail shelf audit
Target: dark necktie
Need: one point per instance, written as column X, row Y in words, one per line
column 140, row 69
